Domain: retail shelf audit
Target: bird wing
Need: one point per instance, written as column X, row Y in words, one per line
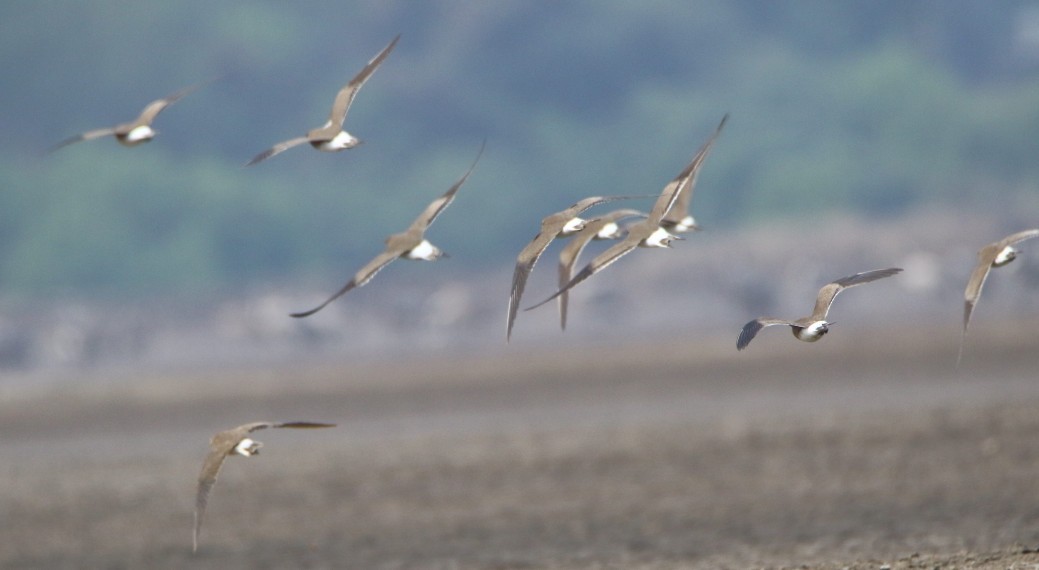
column 750, row 330
column 680, row 209
column 360, row 278
column 277, row 149
column 829, row 291
column 568, row 256
column 153, row 109
column 207, row 477
column 89, row 135
column 346, row 95
column 1018, row 237
column 525, row 262
column 601, row 261
column 429, row 215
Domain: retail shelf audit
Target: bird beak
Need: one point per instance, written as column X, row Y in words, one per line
column 679, row 238
column 444, row 254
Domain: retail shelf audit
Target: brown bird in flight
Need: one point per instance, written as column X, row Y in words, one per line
column 648, row 232
column 678, row 219
column 233, row 441
column 602, row 228
column 331, row 137
column 561, row 224
column 136, row 131
column 996, row 254
column 814, row 326
column 409, row 244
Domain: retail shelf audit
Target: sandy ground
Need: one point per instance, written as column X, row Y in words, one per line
column 864, row 450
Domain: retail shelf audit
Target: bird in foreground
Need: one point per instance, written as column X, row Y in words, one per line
column 996, row 254
column 561, row 224
column 331, row 137
column 814, row 326
column 136, row 131
column 409, row 244
column 232, row 442
column 602, row 228
column 678, row 220
column 645, row 233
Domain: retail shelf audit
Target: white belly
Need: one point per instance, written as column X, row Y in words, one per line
column 572, row 227
column 425, row 251
column 139, row 134
column 812, row 332
column 685, row 224
column 244, row 447
column 659, row 238
column 609, row 231
column 341, row 141
column 1005, row 256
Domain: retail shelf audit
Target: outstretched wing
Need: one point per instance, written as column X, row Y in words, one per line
column 525, row 262
column 680, row 209
column 346, row 95
column 360, row 278
column 429, row 215
column 602, row 261
column 750, row 330
column 89, row 135
column 206, row 480
column 829, row 291
column 1018, row 237
column 568, row 256
column 153, row 109
column 277, row 149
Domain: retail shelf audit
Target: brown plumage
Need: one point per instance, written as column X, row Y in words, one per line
column 995, row 254
column 402, row 244
column 678, row 219
column 223, row 444
column 645, row 233
column 122, row 132
column 321, row 137
column 561, row 224
column 814, row 326
column 569, row 254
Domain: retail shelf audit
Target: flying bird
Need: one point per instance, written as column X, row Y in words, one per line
column 561, row 224
column 996, row 254
column 232, row 442
column 645, row 233
column 409, row 244
column 331, row 137
column 602, row 228
column 814, row 326
column 136, row 131
column 678, row 219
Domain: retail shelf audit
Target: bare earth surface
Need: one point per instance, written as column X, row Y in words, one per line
column 865, row 450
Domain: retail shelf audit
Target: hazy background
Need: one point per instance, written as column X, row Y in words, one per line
column 919, row 116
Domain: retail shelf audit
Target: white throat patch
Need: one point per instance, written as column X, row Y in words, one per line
column 685, row 224
column 608, row 231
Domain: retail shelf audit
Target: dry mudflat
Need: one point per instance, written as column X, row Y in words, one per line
column 865, row 450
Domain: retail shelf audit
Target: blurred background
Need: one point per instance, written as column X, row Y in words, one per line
column 862, row 135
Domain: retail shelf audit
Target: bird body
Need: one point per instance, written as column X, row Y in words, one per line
column 331, row 137
column 234, row 441
column 409, row 244
column 814, row 326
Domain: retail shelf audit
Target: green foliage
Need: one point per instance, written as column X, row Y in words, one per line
column 867, row 107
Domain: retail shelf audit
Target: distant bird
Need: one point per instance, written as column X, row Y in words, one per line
column 331, row 137
column 136, row 131
column 225, row 443
column 646, row 233
column 678, row 219
column 996, row 254
column 409, row 244
column 813, row 327
column 602, row 228
column 561, row 224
